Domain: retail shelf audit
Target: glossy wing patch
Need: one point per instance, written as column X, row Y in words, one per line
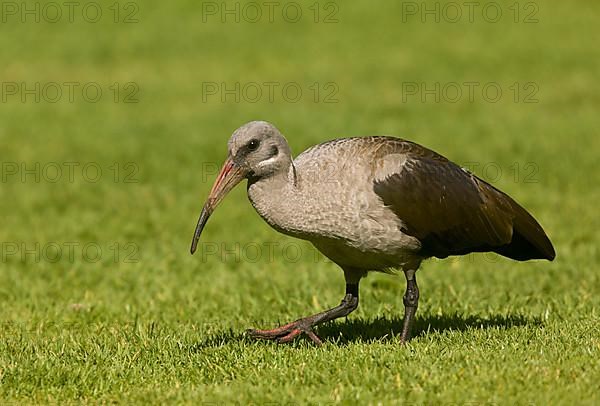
column 446, row 208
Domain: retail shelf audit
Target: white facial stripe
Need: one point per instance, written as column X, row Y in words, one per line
column 267, row 161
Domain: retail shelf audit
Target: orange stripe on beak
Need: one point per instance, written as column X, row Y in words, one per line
column 229, row 176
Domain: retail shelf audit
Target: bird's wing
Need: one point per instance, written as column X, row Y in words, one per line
column 453, row 212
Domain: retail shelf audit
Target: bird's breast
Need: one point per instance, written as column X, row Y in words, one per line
column 342, row 219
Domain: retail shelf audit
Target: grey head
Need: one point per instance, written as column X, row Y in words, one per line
column 259, row 148
column 256, row 150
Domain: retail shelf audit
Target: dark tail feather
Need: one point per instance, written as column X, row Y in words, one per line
column 529, row 241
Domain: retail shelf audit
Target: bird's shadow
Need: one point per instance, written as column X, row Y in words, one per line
column 385, row 329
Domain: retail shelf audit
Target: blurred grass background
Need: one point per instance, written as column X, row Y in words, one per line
column 167, row 326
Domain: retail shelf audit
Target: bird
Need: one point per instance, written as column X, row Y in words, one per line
column 371, row 204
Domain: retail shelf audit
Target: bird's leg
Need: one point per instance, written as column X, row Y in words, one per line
column 305, row 325
column 411, row 301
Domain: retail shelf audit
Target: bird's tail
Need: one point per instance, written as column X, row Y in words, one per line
column 529, row 241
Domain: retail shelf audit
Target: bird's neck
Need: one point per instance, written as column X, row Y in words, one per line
column 271, row 197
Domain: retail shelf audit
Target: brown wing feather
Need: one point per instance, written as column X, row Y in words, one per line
column 453, row 212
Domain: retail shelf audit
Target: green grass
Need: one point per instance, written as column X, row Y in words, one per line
column 168, row 327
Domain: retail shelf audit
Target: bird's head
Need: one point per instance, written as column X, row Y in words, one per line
column 256, row 150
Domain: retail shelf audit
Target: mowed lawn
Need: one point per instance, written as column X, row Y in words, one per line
column 100, row 300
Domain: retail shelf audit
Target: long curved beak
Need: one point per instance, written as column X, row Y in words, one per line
column 230, row 175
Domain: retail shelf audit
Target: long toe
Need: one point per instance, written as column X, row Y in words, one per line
column 273, row 333
column 286, row 333
column 315, row 338
column 298, row 332
column 290, row 337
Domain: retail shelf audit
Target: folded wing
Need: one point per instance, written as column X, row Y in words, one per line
column 453, row 212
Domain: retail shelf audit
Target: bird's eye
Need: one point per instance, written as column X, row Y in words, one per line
column 253, row 145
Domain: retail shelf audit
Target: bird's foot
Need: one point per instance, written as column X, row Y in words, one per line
column 288, row 332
